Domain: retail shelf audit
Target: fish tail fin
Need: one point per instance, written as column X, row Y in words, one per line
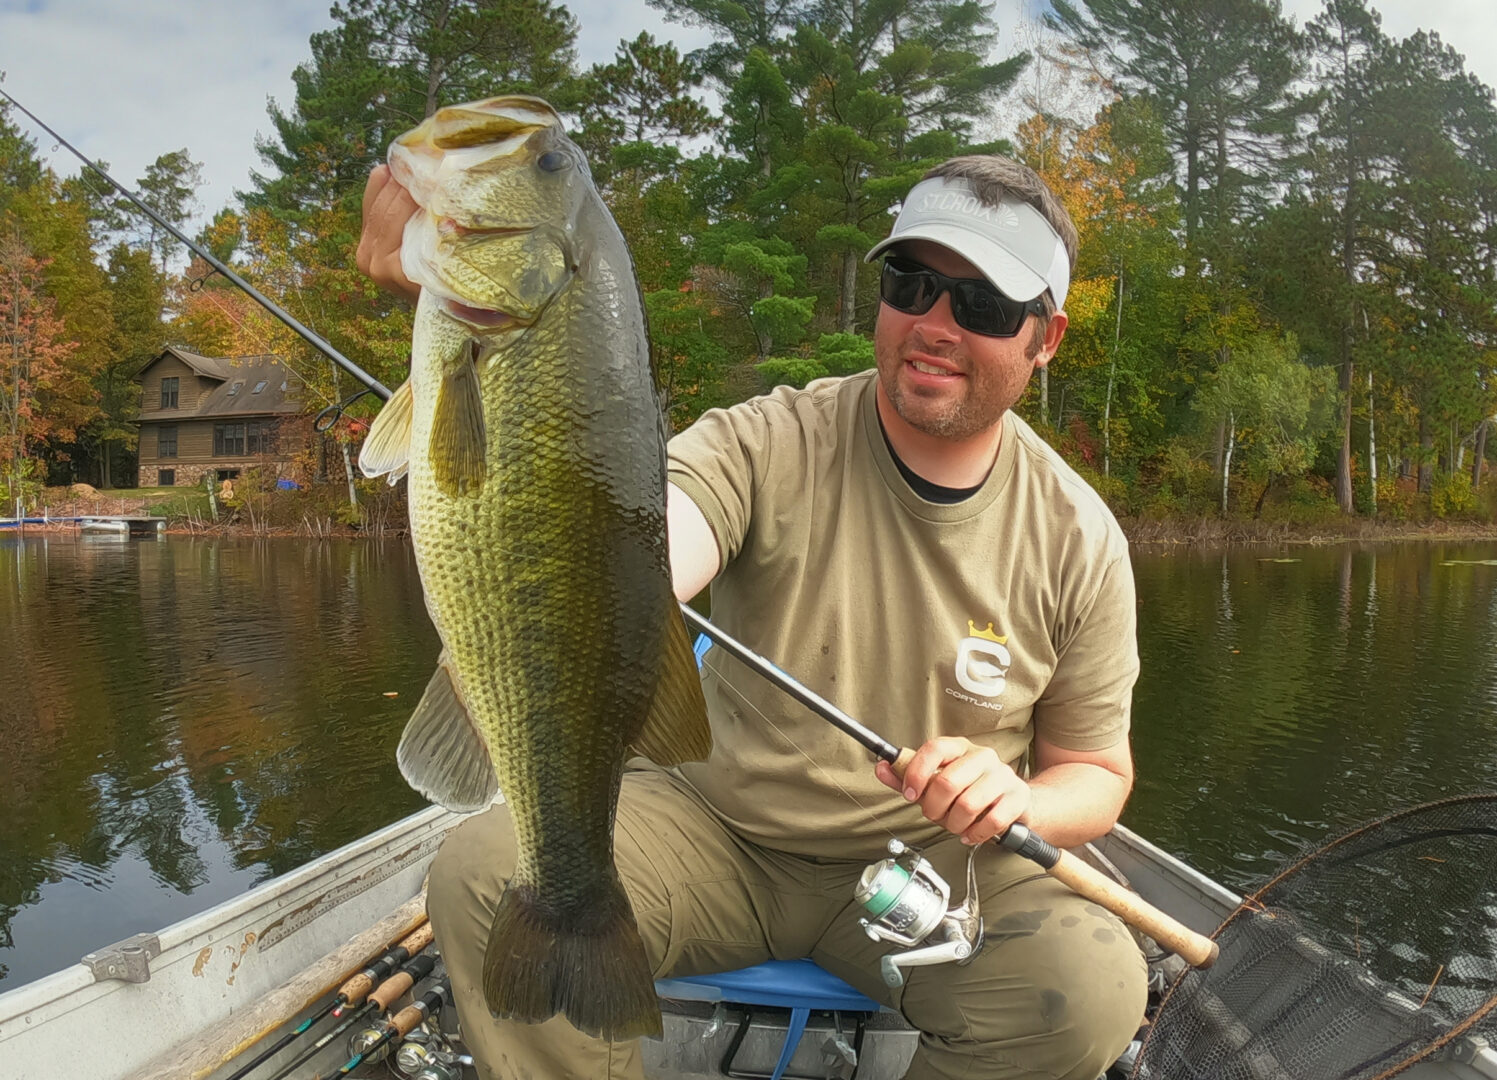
column 593, row 970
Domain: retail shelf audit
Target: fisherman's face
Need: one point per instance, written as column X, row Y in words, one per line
column 943, row 380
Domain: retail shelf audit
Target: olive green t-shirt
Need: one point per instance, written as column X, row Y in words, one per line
column 1001, row 617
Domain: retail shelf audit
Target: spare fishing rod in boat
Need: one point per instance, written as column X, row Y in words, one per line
column 401, row 1024
column 387, row 993
column 351, row 992
column 1196, row 949
column 269, row 305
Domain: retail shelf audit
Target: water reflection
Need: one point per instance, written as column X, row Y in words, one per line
column 1282, row 701
column 183, row 718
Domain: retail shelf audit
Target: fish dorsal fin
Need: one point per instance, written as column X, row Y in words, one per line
column 676, row 729
column 441, row 754
column 458, row 442
column 388, row 447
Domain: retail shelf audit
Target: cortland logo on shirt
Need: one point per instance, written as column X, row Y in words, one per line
column 1001, row 216
column 982, row 663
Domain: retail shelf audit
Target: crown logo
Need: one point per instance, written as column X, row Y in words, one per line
column 987, row 634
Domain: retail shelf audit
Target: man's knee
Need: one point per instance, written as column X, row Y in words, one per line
column 1059, row 991
column 470, row 870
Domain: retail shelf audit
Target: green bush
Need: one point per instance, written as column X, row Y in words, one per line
column 1451, row 496
column 1397, row 500
column 794, row 371
column 844, row 354
column 1303, row 500
column 1486, row 497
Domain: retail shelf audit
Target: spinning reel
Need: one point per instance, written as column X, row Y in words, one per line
column 907, row 903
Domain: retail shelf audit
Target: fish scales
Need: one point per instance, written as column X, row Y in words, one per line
column 530, row 432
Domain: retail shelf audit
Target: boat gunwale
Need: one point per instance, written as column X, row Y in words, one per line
column 34, row 1004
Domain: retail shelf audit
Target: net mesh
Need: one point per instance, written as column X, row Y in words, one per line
column 1374, row 952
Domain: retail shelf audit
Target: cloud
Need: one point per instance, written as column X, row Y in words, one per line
column 129, row 82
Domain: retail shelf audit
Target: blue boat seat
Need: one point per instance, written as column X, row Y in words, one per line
column 798, row 985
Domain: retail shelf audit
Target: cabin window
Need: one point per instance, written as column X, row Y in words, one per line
column 166, row 477
column 227, row 474
column 235, row 386
column 169, row 393
column 166, row 440
column 228, row 440
column 261, row 437
column 259, row 386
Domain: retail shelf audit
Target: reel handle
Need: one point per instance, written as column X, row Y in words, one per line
column 1195, row 949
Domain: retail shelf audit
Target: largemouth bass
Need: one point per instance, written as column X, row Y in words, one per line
column 531, row 436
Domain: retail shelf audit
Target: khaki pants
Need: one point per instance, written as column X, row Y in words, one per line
column 1058, row 991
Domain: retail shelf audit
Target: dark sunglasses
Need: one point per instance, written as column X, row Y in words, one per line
column 975, row 304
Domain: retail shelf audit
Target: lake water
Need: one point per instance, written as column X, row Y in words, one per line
column 184, row 718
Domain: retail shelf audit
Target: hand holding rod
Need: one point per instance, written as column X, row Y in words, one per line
column 1196, row 949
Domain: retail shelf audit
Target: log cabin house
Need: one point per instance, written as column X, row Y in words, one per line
column 202, row 414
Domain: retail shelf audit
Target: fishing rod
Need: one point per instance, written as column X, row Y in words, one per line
column 428, row 1004
column 1193, row 947
column 1196, row 949
column 380, row 1000
column 350, row 993
column 255, row 294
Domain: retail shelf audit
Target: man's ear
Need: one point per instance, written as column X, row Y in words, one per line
column 1053, row 333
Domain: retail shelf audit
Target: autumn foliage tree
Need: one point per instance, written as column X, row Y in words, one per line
column 36, row 385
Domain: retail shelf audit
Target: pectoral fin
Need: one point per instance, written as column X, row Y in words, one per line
column 441, row 754
column 676, row 729
column 387, row 450
column 458, row 441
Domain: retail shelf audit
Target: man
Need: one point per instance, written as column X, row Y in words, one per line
column 910, row 549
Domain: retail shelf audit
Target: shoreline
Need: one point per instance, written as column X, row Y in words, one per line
column 1215, row 532
column 1143, row 533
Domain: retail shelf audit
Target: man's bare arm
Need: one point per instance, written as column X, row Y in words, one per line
column 695, row 559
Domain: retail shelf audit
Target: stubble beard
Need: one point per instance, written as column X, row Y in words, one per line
column 981, row 405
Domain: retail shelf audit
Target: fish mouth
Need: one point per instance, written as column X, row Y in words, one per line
column 452, row 227
column 482, row 318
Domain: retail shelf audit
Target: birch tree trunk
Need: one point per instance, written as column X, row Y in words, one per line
column 353, row 495
column 1371, row 445
column 1112, row 370
column 1227, row 459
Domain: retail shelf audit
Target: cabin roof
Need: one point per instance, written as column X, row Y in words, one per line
column 214, row 367
column 248, row 385
column 237, row 396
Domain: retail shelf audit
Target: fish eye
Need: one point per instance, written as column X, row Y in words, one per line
column 553, row 161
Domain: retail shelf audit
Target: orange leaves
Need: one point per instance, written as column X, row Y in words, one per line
column 34, row 362
column 1088, row 174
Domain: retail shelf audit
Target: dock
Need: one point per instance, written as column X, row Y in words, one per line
column 94, row 524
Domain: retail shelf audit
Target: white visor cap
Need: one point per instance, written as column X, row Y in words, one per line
column 1011, row 243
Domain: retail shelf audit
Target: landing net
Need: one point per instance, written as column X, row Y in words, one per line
column 1358, row 960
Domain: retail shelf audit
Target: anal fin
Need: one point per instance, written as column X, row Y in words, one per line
column 441, row 753
column 676, row 728
column 458, row 440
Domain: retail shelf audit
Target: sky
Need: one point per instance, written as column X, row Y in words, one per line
column 128, row 80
